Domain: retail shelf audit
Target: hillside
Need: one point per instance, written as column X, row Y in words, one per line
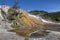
column 52, row 16
column 38, row 12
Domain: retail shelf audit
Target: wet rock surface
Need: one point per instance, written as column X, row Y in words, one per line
column 49, row 37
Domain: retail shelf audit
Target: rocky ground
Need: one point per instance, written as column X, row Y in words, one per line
column 5, row 35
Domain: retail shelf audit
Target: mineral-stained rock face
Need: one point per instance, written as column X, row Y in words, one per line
column 28, row 20
column 29, row 25
column 24, row 19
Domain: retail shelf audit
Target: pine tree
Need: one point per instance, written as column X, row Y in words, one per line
column 15, row 6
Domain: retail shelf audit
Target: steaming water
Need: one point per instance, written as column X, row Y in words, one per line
column 34, row 16
column 40, row 18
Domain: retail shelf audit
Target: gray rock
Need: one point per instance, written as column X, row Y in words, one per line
column 10, row 36
column 49, row 37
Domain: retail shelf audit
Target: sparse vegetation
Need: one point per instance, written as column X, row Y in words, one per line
column 15, row 25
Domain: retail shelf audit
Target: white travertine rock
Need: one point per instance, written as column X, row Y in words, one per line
column 5, row 35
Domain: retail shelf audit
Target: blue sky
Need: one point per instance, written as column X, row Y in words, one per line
column 47, row 5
